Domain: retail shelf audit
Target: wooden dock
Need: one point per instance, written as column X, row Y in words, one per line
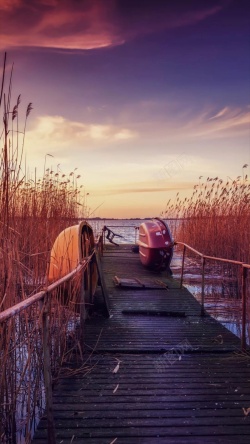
column 155, row 370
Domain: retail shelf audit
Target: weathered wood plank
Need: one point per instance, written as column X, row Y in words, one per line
column 154, row 432
column 140, row 283
column 156, row 440
column 162, row 392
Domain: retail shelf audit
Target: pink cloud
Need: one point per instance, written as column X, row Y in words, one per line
column 55, row 24
column 91, row 24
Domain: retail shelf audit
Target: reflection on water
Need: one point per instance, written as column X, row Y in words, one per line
column 222, row 292
column 223, row 298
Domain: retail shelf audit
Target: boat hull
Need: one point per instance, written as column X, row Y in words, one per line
column 155, row 244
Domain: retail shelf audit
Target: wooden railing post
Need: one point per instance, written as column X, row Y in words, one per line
column 47, row 369
column 101, row 241
column 102, row 282
column 182, row 265
column 244, row 307
column 136, row 229
column 82, row 308
column 103, row 237
column 203, row 286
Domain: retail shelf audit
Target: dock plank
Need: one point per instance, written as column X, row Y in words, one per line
column 163, row 391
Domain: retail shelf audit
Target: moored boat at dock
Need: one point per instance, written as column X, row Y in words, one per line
column 155, row 244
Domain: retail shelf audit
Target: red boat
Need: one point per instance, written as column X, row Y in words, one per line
column 155, row 244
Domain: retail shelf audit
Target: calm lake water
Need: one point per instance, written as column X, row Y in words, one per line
column 126, row 228
column 222, row 300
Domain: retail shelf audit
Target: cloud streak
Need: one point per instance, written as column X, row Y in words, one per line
column 187, row 123
column 61, row 134
column 139, row 190
column 92, row 24
column 227, row 121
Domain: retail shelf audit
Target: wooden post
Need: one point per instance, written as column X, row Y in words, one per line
column 90, row 284
column 244, row 308
column 82, row 309
column 101, row 242
column 182, row 265
column 47, row 369
column 102, row 282
column 104, row 240
column 136, row 228
column 203, row 286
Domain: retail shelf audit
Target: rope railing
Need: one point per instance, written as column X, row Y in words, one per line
column 42, row 297
column 244, row 274
column 16, row 309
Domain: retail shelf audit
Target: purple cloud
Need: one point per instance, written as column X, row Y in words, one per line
column 93, row 24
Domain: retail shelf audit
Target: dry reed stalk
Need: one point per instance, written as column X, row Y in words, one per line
column 215, row 220
column 33, row 213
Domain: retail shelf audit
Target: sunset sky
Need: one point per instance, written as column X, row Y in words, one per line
column 142, row 97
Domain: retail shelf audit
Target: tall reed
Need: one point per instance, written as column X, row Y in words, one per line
column 33, row 212
column 216, row 218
